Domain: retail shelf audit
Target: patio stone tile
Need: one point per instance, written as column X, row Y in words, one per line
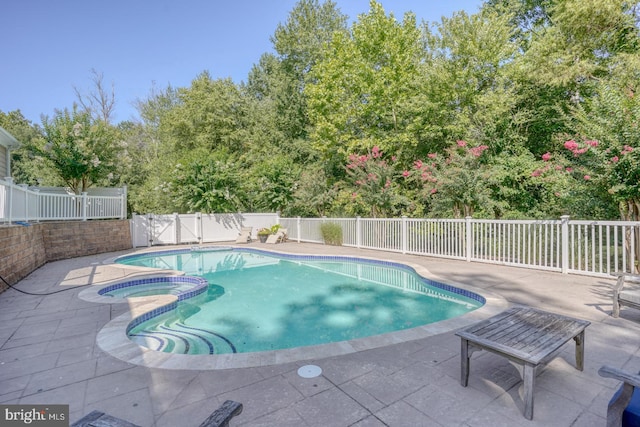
column 71, row 394
column 549, row 408
column 108, row 364
column 370, row 421
column 307, row 386
column 587, row 419
column 23, row 352
column 15, row 384
column 400, row 414
column 10, row 398
column 75, row 355
column 448, row 407
column 134, row 407
column 330, row 408
column 286, row 417
column 56, row 377
column 83, row 339
column 263, row 397
column 340, row 370
column 165, row 386
column 27, row 366
column 391, row 388
column 13, row 342
column 191, row 415
column 115, row 384
column 40, row 329
column 88, row 327
column 192, row 392
column 361, row 396
column 46, row 316
column 573, row 386
column 216, row 382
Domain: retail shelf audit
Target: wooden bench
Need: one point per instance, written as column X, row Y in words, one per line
column 629, row 297
column 624, row 407
column 218, row 418
column 526, row 336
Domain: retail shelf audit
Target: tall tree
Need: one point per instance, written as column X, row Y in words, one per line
column 99, row 100
column 81, row 150
column 300, row 45
column 360, row 93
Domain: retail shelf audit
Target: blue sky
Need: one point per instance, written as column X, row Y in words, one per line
column 50, row 46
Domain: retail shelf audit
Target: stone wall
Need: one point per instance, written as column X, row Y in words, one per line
column 25, row 248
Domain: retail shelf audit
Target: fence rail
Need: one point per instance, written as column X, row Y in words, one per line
column 596, row 248
column 19, row 203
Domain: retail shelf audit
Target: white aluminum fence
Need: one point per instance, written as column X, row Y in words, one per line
column 19, row 203
column 596, row 248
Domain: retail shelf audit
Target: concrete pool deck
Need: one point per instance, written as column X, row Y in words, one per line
column 49, row 355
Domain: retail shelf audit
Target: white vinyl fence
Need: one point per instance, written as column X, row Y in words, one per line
column 174, row 229
column 596, row 248
column 19, row 203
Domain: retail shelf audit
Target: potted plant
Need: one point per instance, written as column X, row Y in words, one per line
column 263, row 234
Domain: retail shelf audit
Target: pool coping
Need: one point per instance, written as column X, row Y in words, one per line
column 113, row 339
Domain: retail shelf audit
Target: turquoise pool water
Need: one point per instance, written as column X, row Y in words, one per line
column 259, row 301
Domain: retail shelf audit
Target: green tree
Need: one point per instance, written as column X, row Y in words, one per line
column 81, row 150
column 359, row 94
column 207, row 182
column 374, row 183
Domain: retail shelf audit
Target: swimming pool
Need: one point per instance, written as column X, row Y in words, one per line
column 259, row 301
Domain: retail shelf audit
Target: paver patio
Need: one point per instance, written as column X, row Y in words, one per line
column 49, row 355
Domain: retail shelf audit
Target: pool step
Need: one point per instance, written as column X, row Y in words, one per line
column 183, row 339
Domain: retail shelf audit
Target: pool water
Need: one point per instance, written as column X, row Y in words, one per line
column 258, row 301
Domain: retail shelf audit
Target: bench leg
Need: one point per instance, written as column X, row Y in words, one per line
column 529, row 375
column 464, row 363
column 579, row 339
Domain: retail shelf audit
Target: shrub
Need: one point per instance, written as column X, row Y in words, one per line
column 331, row 233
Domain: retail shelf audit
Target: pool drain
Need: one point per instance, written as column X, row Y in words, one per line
column 309, row 371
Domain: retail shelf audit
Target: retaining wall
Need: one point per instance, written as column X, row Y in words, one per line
column 25, row 248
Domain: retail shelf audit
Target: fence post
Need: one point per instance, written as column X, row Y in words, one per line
column 10, row 198
column 468, row 238
column 123, row 206
column 176, row 225
column 358, row 232
column 298, row 228
column 25, row 189
column 564, row 236
column 404, row 234
column 84, row 206
column 150, row 230
column 198, row 227
column 37, row 191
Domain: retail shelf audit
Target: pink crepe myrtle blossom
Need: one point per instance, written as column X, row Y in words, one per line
column 354, row 195
column 536, row 172
column 405, row 173
column 418, row 164
column 434, row 190
column 477, row 151
column 615, row 159
column 587, row 177
column 376, row 152
column 432, row 155
column 592, row 143
column 571, row 145
column 461, row 143
column 546, row 156
column 569, row 169
column 626, row 150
